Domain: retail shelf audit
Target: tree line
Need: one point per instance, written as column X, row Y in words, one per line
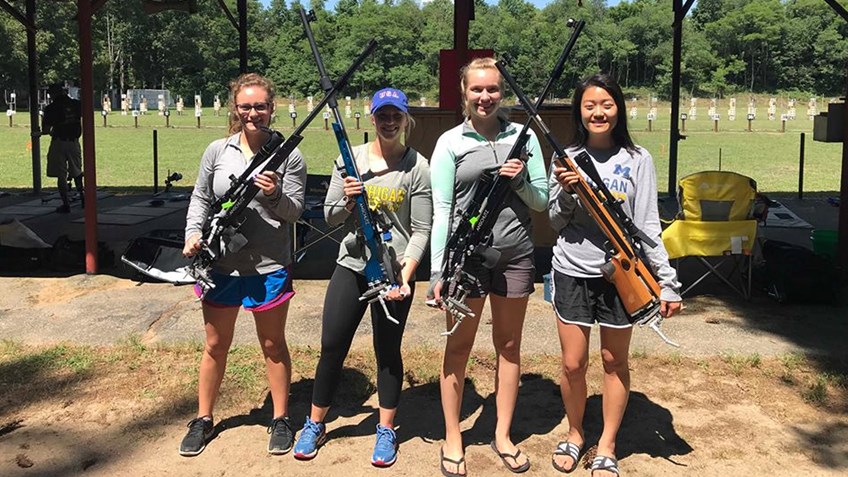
column 729, row 46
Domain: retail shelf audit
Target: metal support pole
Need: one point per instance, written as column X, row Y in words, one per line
column 463, row 13
column 32, row 79
column 842, row 237
column 155, row 162
column 677, row 42
column 680, row 10
column 801, row 168
column 87, row 100
column 242, row 24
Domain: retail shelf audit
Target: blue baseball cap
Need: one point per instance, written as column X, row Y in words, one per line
column 389, row 97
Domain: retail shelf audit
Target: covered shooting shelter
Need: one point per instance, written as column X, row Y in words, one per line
column 85, row 10
column 681, row 9
column 463, row 14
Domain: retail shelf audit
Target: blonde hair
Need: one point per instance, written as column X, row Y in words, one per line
column 486, row 63
column 410, row 125
column 238, row 84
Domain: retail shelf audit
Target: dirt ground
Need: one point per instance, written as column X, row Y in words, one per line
column 734, row 399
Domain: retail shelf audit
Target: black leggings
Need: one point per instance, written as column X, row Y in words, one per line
column 342, row 314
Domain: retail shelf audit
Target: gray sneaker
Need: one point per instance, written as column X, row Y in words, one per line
column 200, row 430
column 282, row 437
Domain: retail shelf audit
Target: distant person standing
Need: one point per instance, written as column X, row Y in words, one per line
column 62, row 121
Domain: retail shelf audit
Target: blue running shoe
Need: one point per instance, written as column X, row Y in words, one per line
column 386, row 447
column 312, row 436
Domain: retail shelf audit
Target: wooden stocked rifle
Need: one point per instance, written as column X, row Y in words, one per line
column 380, row 272
column 474, row 230
column 220, row 232
column 626, row 270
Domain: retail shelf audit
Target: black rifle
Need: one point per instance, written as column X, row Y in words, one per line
column 220, row 233
column 380, row 272
column 474, row 230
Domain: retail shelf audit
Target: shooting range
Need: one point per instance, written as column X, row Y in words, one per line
column 99, row 340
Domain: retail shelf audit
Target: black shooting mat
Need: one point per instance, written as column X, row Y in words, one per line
column 43, row 206
column 138, row 212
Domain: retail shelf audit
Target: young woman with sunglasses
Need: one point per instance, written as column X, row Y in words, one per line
column 257, row 276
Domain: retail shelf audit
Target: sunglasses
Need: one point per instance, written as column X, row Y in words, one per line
column 259, row 107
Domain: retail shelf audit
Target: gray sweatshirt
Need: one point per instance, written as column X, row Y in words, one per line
column 402, row 195
column 579, row 251
column 267, row 220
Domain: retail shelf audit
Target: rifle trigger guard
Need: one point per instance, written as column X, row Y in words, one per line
column 608, row 270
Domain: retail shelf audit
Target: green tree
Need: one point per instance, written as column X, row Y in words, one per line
column 13, row 64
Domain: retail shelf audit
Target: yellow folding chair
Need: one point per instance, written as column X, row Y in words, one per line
column 715, row 225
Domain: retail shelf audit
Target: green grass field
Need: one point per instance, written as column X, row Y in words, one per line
column 124, row 153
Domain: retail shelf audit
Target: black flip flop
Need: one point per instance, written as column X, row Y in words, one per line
column 505, row 455
column 457, row 463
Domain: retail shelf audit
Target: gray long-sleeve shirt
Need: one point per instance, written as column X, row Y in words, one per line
column 461, row 156
column 402, row 195
column 267, row 219
column 579, row 251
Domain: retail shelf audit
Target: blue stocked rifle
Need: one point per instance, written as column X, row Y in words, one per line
column 220, row 233
column 474, row 231
column 626, row 270
column 380, row 272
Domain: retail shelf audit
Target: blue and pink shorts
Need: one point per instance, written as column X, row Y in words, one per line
column 253, row 292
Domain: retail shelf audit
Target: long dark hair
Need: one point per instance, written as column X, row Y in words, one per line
column 620, row 135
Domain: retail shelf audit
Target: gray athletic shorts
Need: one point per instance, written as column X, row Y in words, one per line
column 64, row 158
column 584, row 301
column 512, row 279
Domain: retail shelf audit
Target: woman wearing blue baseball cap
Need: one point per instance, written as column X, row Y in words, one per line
column 397, row 179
